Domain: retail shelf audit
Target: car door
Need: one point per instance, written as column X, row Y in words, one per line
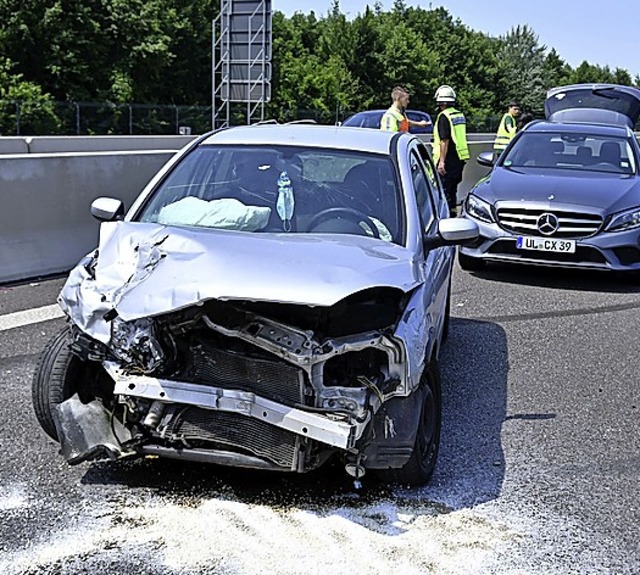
column 437, row 262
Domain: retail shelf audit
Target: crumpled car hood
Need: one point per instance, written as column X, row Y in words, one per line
column 149, row 269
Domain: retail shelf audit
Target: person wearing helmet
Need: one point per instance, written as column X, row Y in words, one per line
column 507, row 128
column 450, row 147
column 395, row 118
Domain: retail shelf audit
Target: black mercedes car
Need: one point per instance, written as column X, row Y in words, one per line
column 566, row 192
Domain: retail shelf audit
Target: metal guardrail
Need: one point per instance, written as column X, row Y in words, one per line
column 58, row 118
column 19, row 118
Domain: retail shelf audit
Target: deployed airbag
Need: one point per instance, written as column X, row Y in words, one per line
column 225, row 213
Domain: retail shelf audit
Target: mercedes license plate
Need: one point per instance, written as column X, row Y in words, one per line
column 546, row 244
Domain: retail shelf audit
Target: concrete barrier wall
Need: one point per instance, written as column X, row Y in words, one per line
column 62, row 144
column 11, row 145
column 473, row 171
column 45, row 223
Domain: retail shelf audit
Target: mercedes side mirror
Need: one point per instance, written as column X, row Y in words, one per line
column 486, row 159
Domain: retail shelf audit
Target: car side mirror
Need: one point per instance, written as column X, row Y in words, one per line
column 452, row 232
column 107, row 209
column 486, row 159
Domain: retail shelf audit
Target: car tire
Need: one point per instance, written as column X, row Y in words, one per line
column 470, row 264
column 420, row 466
column 54, row 380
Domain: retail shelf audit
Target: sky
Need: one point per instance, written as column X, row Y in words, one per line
column 601, row 32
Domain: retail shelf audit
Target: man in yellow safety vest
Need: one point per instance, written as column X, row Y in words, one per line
column 507, row 128
column 450, row 147
column 395, row 118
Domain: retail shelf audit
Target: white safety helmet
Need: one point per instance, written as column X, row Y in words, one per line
column 445, row 93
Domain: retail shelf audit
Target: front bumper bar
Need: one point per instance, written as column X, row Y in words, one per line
column 319, row 427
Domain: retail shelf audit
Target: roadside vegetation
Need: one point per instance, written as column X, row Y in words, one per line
column 325, row 66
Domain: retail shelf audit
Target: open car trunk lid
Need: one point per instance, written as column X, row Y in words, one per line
column 594, row 103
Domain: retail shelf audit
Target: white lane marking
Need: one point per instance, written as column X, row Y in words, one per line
column 30, row 316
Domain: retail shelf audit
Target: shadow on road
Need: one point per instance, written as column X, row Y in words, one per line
column 559, row 278
column 474, row 367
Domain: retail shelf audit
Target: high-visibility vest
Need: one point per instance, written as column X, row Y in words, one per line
column 505, row 133
column 393, row 120
column 458, row 124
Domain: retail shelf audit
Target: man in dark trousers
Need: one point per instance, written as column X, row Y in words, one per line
column 450, row 148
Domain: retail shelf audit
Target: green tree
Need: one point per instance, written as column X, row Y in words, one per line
column 464, row 59
column 587, row 73
column 522, row 71
column 621, row 76
column 366, row 62
column 159, row 52
column 557, row 71
column 406, row 59
column 293, row 44
column 37, row 117
column 148, row 50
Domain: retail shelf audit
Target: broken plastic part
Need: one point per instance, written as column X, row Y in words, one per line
column 86, row 431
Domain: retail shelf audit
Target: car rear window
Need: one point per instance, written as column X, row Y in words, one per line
column 572, row 151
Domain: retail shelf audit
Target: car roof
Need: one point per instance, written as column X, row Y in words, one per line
column 306, row 135
column 380, row 112
column 578, row 127
column 368, row 113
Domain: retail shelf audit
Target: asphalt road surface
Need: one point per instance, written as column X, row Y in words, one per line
column 539, row 471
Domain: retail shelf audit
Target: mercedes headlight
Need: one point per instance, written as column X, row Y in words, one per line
column 479, row 209
column 624, row 221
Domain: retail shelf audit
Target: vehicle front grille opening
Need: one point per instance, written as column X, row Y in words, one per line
column 570, row 224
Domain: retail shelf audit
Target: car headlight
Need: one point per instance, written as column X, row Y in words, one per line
column 479, row 209
column 624, row 221
column 136, row 345
column 89, row 263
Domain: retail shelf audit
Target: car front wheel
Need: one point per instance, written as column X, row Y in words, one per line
column 470, row 264
column 420, row 466
column 55, row 379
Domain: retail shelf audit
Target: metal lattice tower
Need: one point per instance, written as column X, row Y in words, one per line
column 241, row 60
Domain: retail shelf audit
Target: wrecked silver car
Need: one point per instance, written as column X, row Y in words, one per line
column 276, row 297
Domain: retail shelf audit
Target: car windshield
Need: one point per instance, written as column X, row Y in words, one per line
column 572, row 151
column 281, row 189
column 365, row 120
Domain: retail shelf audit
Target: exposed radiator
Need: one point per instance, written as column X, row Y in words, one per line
column 234, row 431
column 274, row 379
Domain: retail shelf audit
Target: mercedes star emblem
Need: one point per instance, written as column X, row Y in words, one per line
column 548, row 224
